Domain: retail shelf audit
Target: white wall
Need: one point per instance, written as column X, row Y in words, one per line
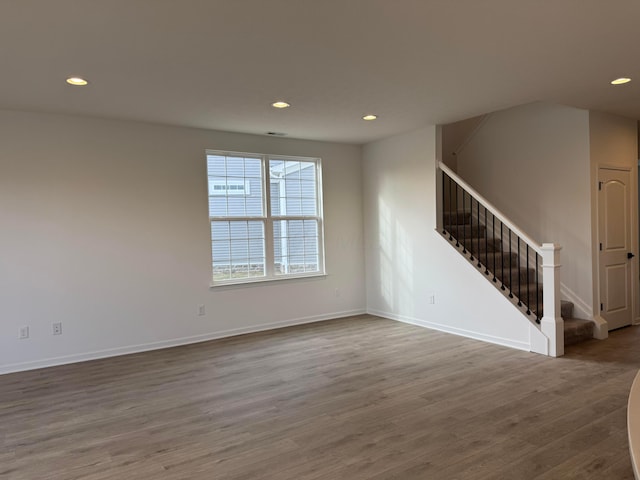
column 613, row 142
column 455, row 137
column 532, row 163
column 407, row 261
column 105, row 228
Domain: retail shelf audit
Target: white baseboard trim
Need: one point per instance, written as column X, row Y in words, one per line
column 114, row 352
column 505, row 342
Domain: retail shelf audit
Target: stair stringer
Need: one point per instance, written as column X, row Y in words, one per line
column 538, row 341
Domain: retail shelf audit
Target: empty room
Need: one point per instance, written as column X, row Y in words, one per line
column 291, row 239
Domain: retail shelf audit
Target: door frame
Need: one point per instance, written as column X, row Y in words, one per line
column 601, row 323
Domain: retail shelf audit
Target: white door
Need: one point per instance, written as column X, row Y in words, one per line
column 614, row 232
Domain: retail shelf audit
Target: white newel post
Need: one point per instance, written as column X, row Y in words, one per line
column 552, row 324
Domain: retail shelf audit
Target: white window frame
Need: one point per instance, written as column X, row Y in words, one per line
column 268, row 219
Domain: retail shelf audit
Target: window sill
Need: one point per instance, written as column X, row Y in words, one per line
column 254, row 282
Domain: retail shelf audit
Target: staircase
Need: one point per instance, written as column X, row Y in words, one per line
column 518, row 278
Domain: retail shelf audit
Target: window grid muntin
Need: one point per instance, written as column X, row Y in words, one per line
column 299, row 248
column 233, row 171
column 244, row 256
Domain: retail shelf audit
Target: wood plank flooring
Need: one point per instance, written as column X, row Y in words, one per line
column 356, row 398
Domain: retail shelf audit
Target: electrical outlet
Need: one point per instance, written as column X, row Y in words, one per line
column 57, row 328
column 24, row 333
column 338, row 293
column 432, row 299
column 201, row 310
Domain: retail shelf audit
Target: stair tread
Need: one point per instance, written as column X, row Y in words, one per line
column 480, row 245
column 461, row 217
column 527, row 288
column 566, row 308
column 577, row 330
column 467, row 231
column 577, row 325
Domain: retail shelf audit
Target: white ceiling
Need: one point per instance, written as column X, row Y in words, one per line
column 220, row 63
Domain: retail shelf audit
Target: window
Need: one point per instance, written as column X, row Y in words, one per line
column 266, row 216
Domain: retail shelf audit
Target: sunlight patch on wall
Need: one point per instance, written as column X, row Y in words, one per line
column 404, row 261
column 396, row 263
column 386, row 253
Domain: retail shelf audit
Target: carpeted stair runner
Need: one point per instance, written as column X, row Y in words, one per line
column 503, row 267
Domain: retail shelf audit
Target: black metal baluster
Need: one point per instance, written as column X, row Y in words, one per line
column 528, row 284
column 471, row 222
column 457, row 220
column 486, row 243
column 444, row 192
column 450, row 204
column 519, row 277
column 464, row 223
column 502, row 287
column 479, row 238
column 510, row 267
column 537, row 291
column 493, row 236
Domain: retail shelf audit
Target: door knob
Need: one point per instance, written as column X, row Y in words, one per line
column 630, row 255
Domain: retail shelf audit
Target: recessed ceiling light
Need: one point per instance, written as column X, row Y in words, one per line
column 78, row 81
column 620, row 81
column 370, row 117
column 280, row 104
